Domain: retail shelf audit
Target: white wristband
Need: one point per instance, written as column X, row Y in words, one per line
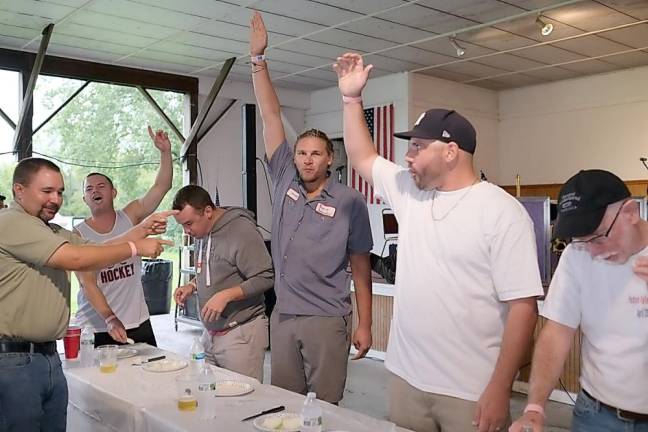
column 111, row 318
column 257, row 58
column 133, row 249
column 351, row 99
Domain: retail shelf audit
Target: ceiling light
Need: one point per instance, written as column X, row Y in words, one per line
column 545, row 27
column 456, row 46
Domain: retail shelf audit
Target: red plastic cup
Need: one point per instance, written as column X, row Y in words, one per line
column 72, row 342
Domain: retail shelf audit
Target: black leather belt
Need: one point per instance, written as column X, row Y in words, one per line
column 27, row 347
column 622, row 414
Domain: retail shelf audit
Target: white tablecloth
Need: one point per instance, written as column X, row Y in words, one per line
column 132, row 399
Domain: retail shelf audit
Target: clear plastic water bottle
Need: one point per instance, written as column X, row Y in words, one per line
column 311, row 415
column 86, row 352
column 206, row 393
column 197, row 357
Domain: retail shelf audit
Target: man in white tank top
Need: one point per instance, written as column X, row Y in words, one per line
column 113, row 302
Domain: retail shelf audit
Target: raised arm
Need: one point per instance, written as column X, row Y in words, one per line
column 273, row 130
column 140, row 208
column 352, row 77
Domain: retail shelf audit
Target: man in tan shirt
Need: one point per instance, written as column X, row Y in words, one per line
column 35, row 256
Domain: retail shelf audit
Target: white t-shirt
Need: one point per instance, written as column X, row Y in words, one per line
column 120, row 283
column 610, row 303
column 461, row 256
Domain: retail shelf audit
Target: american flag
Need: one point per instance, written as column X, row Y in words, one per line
column 380, row 121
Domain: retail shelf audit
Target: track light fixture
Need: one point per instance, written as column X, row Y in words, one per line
column 457, row 47
column 545, row 27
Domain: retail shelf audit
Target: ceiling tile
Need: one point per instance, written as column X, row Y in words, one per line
column 591, row 46
column 590, row 67
column 635, row 37
column 635, row 8
column 634, row 59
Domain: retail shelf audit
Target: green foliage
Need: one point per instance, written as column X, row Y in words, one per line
column 104, row 130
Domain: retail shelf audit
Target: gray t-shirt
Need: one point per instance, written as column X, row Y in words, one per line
column 312, row 241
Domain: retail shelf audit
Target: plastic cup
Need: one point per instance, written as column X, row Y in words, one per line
column 72, row 342
column 187, row 387
column 107, row 358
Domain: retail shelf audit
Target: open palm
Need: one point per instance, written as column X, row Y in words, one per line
column 258, row 34
column 352, row 74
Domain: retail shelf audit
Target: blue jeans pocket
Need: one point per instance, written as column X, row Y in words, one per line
column 584, row 406
column 14, row 360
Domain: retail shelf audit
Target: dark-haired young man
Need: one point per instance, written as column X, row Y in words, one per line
column 112, row 301
column 234, row 269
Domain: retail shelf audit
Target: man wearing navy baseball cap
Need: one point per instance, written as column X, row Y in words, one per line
column 599, row 285
column 467, row 272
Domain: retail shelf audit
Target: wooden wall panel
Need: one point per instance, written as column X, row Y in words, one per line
column 382, row 309
column 637, row 188
column 571, row 370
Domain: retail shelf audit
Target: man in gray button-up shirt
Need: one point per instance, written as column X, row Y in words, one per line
column 319, row 226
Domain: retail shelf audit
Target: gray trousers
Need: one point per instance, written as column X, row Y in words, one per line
column 310, row 353
column 242, row 349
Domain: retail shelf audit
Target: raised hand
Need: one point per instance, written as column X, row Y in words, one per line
column 258, row 34
column 160, row 139
column 352, row 74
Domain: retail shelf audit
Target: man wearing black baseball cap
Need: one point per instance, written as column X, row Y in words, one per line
column 2, row 202
column 467, row 274
column 599, row 285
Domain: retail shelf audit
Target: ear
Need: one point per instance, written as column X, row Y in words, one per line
column 631, row 211
column 452, row 151
column 18, row 190
column 114, row 193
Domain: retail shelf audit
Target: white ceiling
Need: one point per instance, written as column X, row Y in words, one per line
column 504, row 47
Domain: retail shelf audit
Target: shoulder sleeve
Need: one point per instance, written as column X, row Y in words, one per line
column 29, row 240
column 252, row 260
column 562, row 303
column 392, row 183
column 513, row 255
column 281, row 163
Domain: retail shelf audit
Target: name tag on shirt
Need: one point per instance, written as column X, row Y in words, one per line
column 325, row 210
column 293, row 194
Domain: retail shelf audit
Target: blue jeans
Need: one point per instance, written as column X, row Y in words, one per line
column 591, row 416
column 33, row 393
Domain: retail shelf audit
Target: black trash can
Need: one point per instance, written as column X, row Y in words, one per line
column 156, row 280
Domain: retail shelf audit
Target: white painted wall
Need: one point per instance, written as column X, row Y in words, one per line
column 548, row 132
column 478, row 105
column 220, row 152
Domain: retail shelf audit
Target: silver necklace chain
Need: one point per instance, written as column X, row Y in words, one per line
column 455, row 204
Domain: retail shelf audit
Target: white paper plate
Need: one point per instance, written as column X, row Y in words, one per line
column 165, row 365
column 123, row 353
column 263, row 423
column 232, row 388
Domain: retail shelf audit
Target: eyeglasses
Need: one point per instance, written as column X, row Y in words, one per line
column 580, row 244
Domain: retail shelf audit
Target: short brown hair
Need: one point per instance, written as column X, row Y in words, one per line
column 316, row 133
column 192, row 195
column 108, row 179
column 27, row 167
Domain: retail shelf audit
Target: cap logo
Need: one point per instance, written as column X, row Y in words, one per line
column 569, row 202
column 419, row 119
column 445, row 134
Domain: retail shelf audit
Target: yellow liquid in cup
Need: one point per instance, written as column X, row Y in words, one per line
column 187, row 404
column 109, row 368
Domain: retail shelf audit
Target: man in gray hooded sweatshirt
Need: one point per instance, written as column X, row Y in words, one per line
column 233, row 269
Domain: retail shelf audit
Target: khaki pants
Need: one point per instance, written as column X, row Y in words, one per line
column 242, row 349
column 310, row 353
column 421, row 411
